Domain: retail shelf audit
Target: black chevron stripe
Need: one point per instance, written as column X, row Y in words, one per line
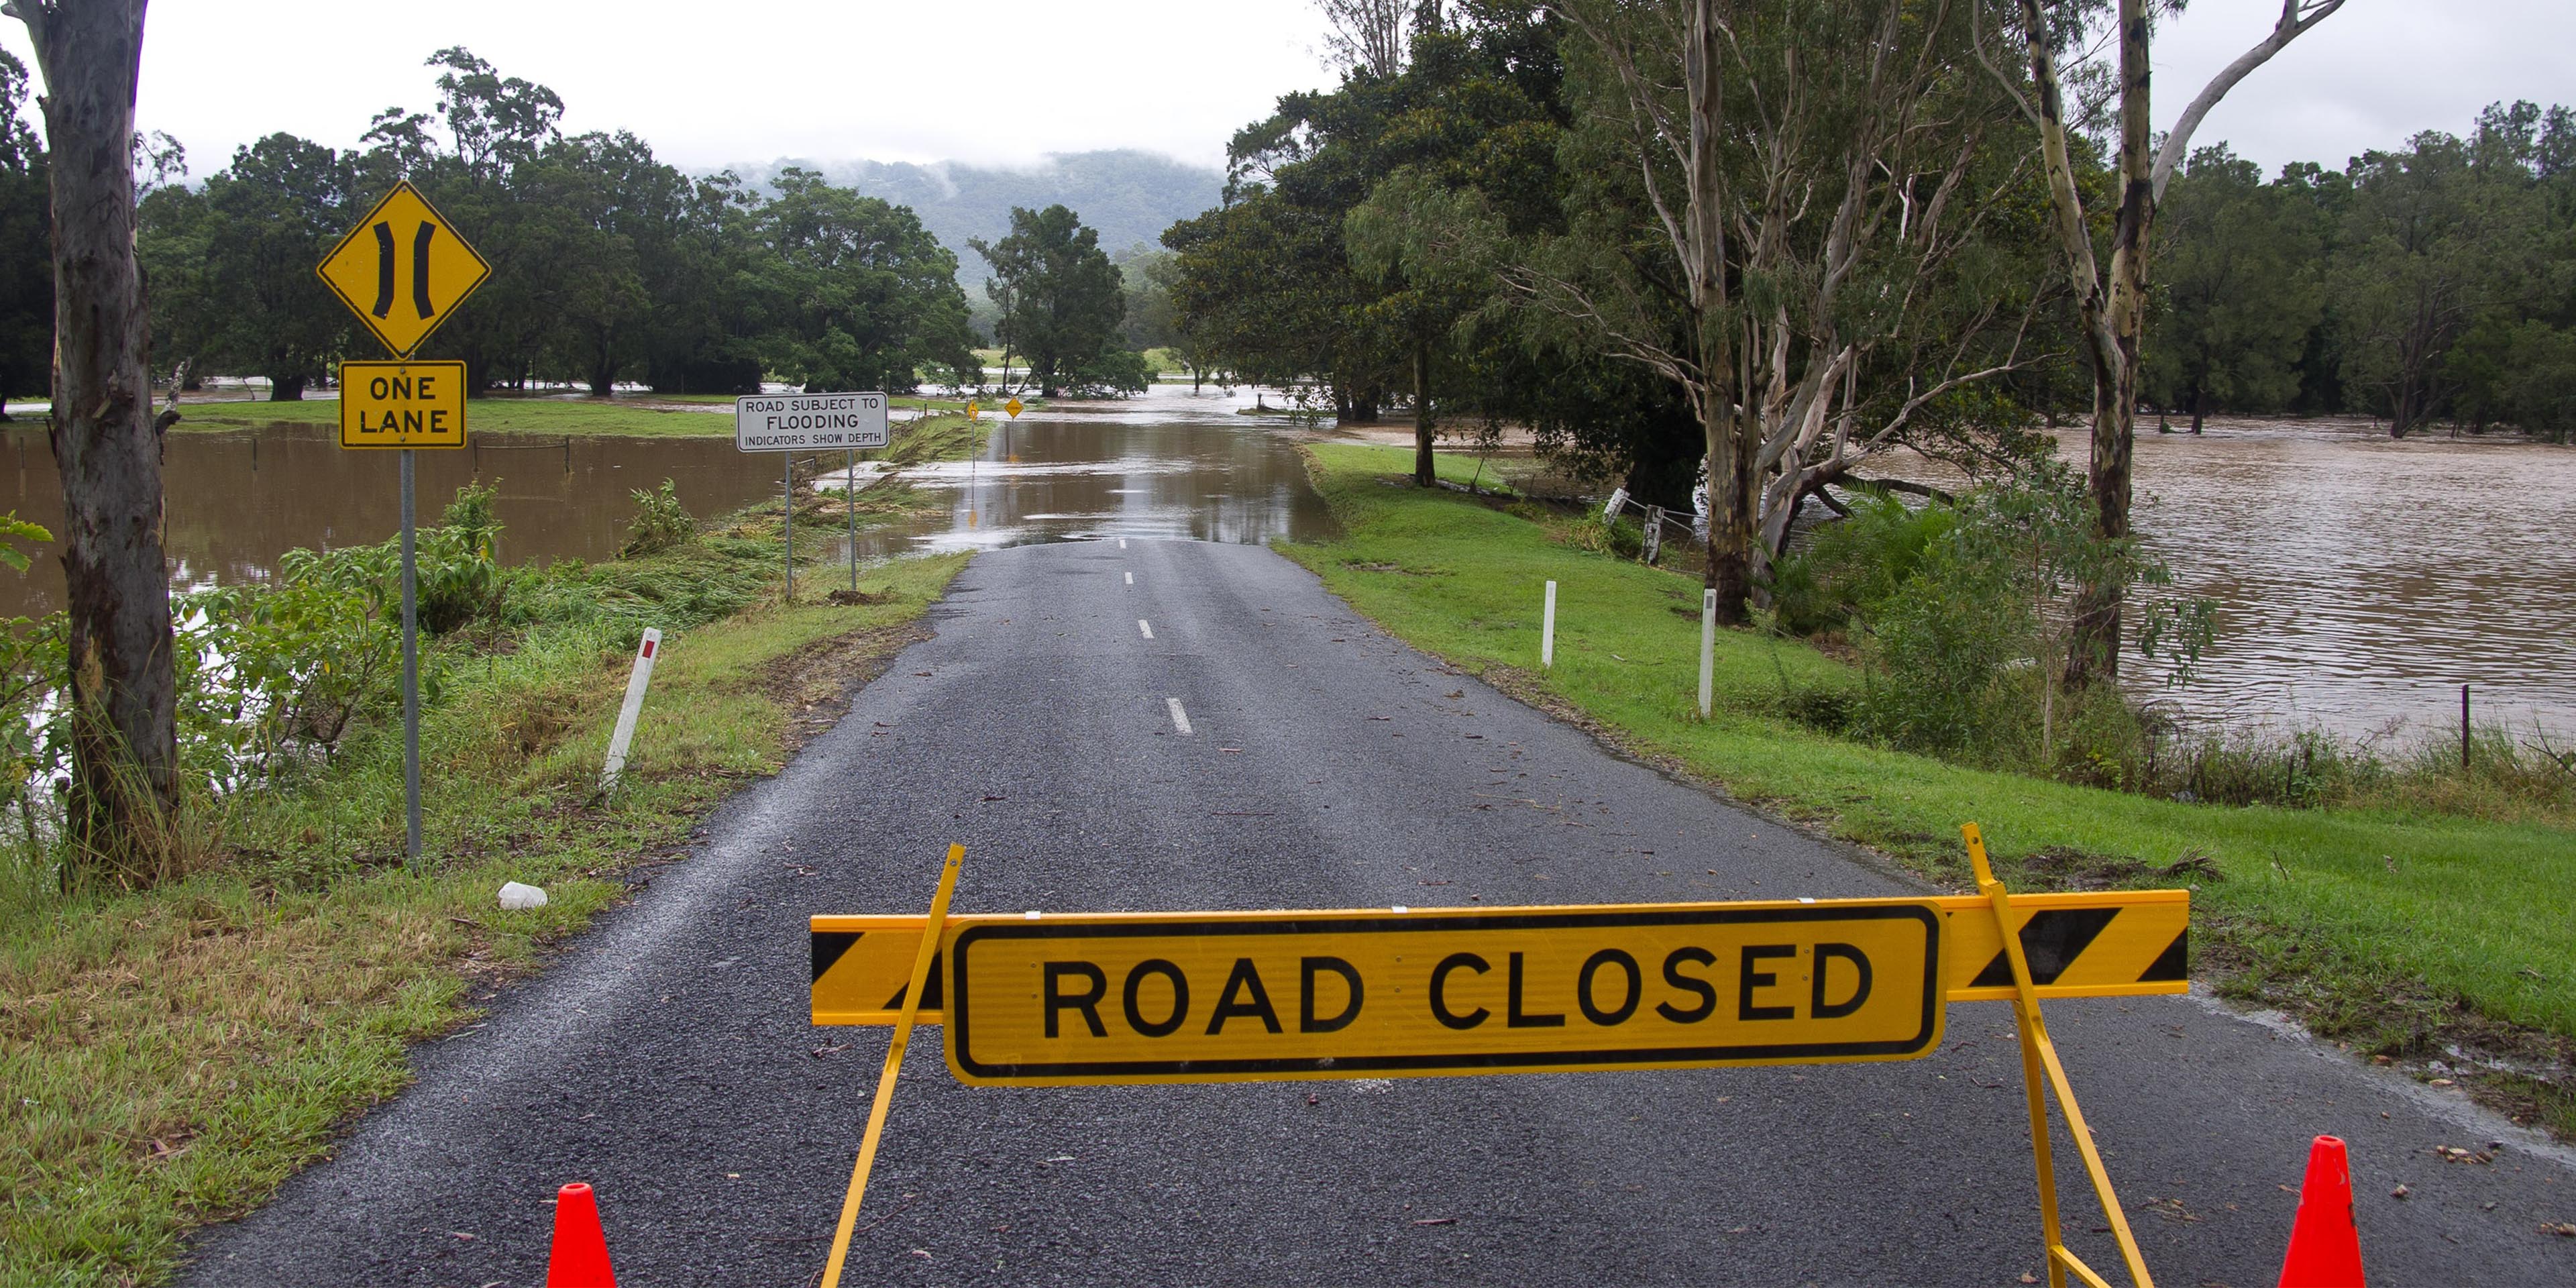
column 828, row 947
column 932, row 996
column 2172, row 965
column 2051, row 940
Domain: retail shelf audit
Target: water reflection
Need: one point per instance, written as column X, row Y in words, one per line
column 2360, row 581
column 1169, row 465
column 234, row 502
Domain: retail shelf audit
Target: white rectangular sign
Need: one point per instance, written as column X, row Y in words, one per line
column 797, row 422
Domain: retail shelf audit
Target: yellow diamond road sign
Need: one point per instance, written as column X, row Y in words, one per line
column 403, row 269
column 1013, row 407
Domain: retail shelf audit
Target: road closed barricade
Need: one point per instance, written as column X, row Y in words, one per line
column 1049, row 999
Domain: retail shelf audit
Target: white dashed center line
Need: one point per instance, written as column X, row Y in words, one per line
column 1180, row 718
column 1146, row 627
column 1122, row 543
column 1131, row 579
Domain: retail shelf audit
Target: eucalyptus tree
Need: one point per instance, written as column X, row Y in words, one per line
column 1798, row 214
column 123, row 690
column 2111, row 303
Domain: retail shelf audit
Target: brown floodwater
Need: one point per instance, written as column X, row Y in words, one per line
column 2360, row 580
column 1169, row 464
column 235, row 501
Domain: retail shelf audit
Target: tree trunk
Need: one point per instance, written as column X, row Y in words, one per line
column 123, row 689
column 2199, row 406
column 1730, row 462
column 1423, row 471
column 285, row 388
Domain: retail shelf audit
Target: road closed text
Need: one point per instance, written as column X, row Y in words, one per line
column 1377, row 995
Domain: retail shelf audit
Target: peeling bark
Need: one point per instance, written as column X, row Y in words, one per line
column 123, row 687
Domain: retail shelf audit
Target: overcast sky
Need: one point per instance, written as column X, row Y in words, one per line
column 1006, row 81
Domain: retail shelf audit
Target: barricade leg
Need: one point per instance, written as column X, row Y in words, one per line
column 893, row 1062
column 2039, row 1061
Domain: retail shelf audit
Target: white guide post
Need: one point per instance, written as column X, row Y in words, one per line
column 644, row 655
column 1547, row 630
column 1707, row 646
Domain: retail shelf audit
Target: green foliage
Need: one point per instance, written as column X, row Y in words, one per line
column 2417, row 283
column 1060, row 298
column 2241, row 277
column 660, row 522
column 26, row 262
column 14, row 530
column 1112, row 373
column 230, row 265
column 1963, row 619
column 868, row 296
column 1853, row 566
column 608, row 265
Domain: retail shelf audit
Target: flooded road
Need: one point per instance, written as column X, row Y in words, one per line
column 2360, row 581
column 1166, row 466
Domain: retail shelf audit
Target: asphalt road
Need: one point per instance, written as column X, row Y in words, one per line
column 667, row 1056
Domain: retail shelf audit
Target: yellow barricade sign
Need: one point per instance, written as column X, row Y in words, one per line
column 1205, row 997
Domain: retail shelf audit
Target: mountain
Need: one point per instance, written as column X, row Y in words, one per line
column 1130, row 196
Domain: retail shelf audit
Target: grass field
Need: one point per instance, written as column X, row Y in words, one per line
column 2388, row 927
column 171, row 1056
column 631, row 417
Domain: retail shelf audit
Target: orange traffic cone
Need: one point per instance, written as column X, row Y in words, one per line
column 2325, row 1249
column 580, row 1257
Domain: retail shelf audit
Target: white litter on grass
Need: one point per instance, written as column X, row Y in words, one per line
column 515, row 895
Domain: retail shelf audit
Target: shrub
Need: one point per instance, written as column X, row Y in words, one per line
column 660, row 522
column 1855, row 563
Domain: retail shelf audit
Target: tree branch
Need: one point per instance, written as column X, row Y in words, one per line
column 2296, row 17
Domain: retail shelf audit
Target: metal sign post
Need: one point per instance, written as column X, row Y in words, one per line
column 790, row 423
column 410, row 675
column 850, row 507
column 402, row 404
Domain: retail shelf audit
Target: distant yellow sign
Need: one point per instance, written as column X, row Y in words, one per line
column 403, row 270
column 1013, row 407
column 971, row 409
column 402, row 404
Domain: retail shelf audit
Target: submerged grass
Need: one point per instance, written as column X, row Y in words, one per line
column 171, row 1056
column 2347, row 909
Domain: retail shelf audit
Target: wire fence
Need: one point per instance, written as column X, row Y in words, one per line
column 1658, row 526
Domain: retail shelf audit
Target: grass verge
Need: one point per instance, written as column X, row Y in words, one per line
column 171, row 1056
column 2398, row 931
